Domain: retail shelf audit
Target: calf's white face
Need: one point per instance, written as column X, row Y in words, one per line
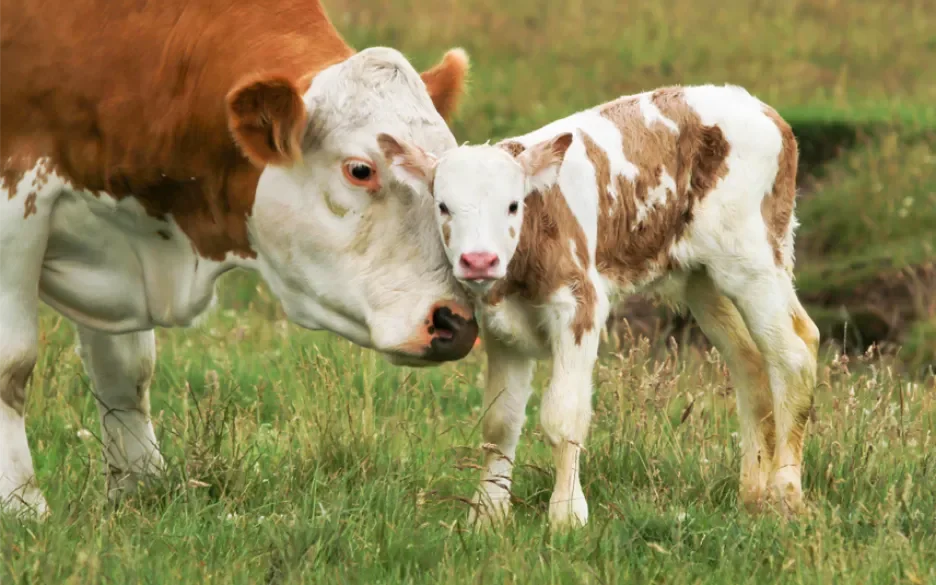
column 478, row 193
column 344, row 246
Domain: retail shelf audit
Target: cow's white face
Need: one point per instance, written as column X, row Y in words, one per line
column 344, row 245
column 478, row 192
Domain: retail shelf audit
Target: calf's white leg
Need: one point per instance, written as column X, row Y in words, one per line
column 721, row 322
column 789, row 342
column 565, row 414
column 121, row 368
column 508, row 388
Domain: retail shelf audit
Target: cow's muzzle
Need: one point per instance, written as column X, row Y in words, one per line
column 448, row 333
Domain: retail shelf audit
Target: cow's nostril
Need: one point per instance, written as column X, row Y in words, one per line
column 444, row 323
column 453, row 336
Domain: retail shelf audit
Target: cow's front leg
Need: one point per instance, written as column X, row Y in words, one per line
column 121, row 367
column 18, row 489
column 507, row 390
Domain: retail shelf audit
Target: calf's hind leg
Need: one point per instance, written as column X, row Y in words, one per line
column 121, row 367
column 789, row 342
column 722, row 324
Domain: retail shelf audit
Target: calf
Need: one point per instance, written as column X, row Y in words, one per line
column 686, row 192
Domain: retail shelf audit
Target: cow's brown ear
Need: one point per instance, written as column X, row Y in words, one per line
column 446, row 82
column 267, row 117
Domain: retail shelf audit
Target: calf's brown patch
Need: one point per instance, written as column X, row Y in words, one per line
column 447, row 232
column 544, row 260
column 777, row 207
column 629, row 251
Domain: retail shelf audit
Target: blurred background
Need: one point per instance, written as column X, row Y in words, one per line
column 855, row 79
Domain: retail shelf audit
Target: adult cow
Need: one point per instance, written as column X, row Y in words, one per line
column 149, row 147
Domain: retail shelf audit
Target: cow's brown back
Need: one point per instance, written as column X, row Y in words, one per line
column 128, row 97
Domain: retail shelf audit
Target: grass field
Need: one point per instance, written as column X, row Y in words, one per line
column 294, row 457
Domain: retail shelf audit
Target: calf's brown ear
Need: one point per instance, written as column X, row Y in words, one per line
column 410, row 164
column 541, row 161
column 267, row 117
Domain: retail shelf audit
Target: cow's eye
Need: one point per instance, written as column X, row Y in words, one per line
column 513, row 208
column 443, row 209
column 360, row 172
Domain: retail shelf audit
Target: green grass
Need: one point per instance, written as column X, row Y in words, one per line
column 325, row 464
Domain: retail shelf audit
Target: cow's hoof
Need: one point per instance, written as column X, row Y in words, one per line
column 25, row 502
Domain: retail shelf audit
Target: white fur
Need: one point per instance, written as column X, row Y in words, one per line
column 372, row 274
column 728, row 271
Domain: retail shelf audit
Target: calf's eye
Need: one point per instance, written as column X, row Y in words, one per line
column 443, row 209
column 513, row 208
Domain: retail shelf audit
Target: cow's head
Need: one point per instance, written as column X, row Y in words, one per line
column 345, row 245
column 478, row 193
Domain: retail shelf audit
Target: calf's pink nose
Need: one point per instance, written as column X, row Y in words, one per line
column 479, row 261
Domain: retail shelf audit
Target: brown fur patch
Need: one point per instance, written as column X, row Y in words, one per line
column 14, row 376
column 543, row 262
column 511, row 146
column 29, row 205
column 447, row 233
column 632, row 252
column 806, row 331
column 512, row 232
column 777, row 208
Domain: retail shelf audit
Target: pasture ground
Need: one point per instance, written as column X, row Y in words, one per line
column 294, row 457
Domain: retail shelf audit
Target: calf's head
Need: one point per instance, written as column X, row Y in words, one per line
column 344, row 245
column 478, row 193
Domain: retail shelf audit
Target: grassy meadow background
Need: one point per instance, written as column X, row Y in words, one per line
column 294, row 457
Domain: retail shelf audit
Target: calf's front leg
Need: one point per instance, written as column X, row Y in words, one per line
column 506, row 393
column 565, row 416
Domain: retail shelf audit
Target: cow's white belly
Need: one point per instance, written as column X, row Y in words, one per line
column 111, row 267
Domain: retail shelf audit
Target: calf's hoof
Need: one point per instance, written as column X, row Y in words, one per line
column 568, row 512
column 124, row 483
column 788, row 492
column 488, row 510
